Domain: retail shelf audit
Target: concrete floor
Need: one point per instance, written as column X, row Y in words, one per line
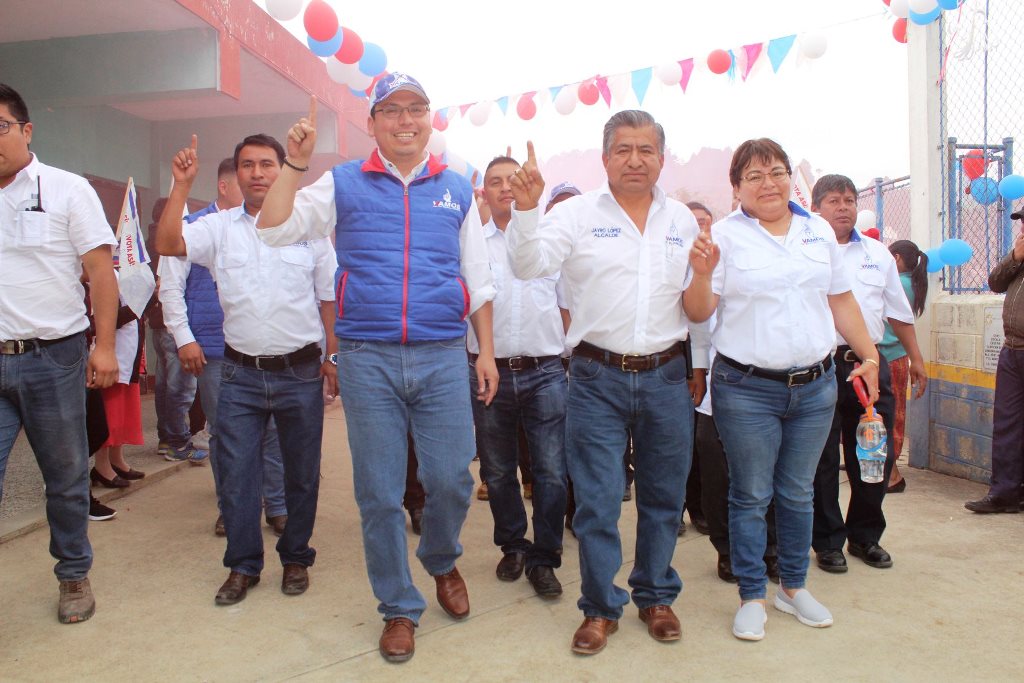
column 948, row 610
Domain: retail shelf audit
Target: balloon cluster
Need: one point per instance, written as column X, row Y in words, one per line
column 350, row 60
column 920, row 12
column 983, row 189
column 952, row 252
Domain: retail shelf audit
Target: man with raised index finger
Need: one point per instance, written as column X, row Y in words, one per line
column 413, row 265
column 627, row 253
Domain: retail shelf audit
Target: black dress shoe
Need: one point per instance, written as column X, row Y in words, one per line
column 873, row 554
column 701, row 525
column 989, row 505
column 832, row 561
column 128, row 474
column 725, row 569
column 416, row 520
column 114, row 482
column 898, row 487
column 544, row 581
column 771, row 563
column 511, row 566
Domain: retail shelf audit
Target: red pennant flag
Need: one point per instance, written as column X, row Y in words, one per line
column 753, row 51
column 687, row 65
column 602, row 87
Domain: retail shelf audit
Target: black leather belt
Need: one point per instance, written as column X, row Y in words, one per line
column 792, row 378
column 845, row 353
column 629, row 362
column 14, row 347
column 274, row 363
column 517, row 363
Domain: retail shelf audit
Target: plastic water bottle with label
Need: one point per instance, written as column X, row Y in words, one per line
column 871, row 439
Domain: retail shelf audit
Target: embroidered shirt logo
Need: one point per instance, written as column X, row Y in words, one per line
column 809, row 237
column 673, row 238
column 605, row 232
column 868, row 264
column 446, row 202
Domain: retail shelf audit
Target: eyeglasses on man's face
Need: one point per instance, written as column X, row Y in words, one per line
column 393, row 111
column 5, row 126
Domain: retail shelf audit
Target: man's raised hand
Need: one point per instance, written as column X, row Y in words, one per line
column 527, row 183
column 185, row 164
column 302, row 137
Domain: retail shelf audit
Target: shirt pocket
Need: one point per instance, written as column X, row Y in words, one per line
column 542, row 291
column 754, row 272
column 817, row 270
column 675, row 261
column 871, row 277
column 33, row 228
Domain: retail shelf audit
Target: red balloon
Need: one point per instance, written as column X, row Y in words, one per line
column 320, row 21
column 351, row 50
column 526, row 107
column 373, row 83
column 899, row 30
column 719, row 61
column 886, row 2
column 873, row 233
column 588, row 92
column 974, row 164
column 440, row 121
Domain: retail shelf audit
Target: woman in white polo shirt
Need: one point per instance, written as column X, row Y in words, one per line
column 781, row 292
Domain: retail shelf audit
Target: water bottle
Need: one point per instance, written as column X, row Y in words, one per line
column 871, row 448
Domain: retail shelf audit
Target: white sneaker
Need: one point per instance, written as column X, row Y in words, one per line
column 749, row 621
column 201, row 439
column 804, row 607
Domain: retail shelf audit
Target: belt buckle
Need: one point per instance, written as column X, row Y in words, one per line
column 850, row 357
column 625, row 357
column 791, row 377
column 515, row 363
column 12, row 347
column 257, row 359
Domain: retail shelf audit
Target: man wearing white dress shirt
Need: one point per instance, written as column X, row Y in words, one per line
column 277, row 303
column 624, row 253
column 872, row 272
column 528, row 343
column 51, row 224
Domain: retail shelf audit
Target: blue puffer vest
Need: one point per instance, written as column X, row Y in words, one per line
column 205, row 316
column 398, row 253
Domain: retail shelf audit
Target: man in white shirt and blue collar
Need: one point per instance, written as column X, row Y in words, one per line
column 872, row 272
column 624, row 252
column 51, row 225
column 413, row 268
column 277, row 304
column 528, row 343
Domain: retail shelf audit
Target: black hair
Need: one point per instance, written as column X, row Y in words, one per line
column 697, row 206
column 500, row 160
column 10, row 97
column 764, row 150
column 226, row 167
column 915, row 261
column 831, row 183
column 260, row 140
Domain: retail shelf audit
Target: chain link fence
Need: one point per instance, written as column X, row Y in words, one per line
column 982, row 115
column 890, row 202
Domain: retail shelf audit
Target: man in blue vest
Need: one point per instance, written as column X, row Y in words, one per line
column 413, row 265
column 194, row 317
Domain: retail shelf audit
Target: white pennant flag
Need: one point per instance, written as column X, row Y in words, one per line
column 136, row 282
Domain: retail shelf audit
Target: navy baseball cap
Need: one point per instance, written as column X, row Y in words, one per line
column 391, row 84
column 563, row 188
column 1017, row 215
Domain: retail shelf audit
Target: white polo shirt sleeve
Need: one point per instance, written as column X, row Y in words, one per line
column 474, row 261
column 87, row 225
column 537, row 250
column 203, row 237
column 173, row 272
column 314, row 215
column 897, row 306
column 325, row 269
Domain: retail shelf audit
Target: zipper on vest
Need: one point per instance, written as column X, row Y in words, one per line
column 405, row 273
column 339, row 294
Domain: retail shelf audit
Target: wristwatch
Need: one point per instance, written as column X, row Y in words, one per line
column 333, row 358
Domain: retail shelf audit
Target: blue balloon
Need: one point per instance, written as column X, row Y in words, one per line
column 373, row 61
column 358, row 93
column 954, row 252
column 1012, row 187
column 984, row 190
column 935, row 263
column 325, row 48
column 926, row 18
column 950, row 4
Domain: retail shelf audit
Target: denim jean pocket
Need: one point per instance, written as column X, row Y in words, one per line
column 674, row 371
column 455, row 343
column 227, row 371
column 346, row 346
column 305, row 372
column 584, row 369
column 726, row 374
column 66, row 354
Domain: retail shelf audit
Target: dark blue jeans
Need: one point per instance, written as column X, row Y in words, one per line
column 175, row 392
column 536, row 397
column 43, row 391
column 655, row 406
column 1008, row 426
column 248, row 399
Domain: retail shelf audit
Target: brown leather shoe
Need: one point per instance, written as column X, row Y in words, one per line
column 277, row 523
column 592, row 635
column 295, row 579
column 76, row 602
column 218, row 527
column 452, row 595
column 662, row 623
column 397, row 643
column 233, row 590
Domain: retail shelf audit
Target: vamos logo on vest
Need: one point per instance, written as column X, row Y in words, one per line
column 446, row 202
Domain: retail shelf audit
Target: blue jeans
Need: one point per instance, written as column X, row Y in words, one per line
column 43, row 391
column 175, row 392
column 535, row 397
column 249, row 398
column 389, row 390
column 655, row 405
column 773, row 436
column 273, row 466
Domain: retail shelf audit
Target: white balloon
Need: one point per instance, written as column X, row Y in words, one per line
column 901, row 8
column 457, row 163
column 437, row 143
column 670, row 73
column 813, row 45
column 347, row 74
column 922, row 6
column 284, row 10
column 479, row 113
column 865, row 220
column 565, row 101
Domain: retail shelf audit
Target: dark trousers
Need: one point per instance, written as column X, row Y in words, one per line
column 414, row 498
column 865, row 522
column 694, row 495
column 1008, row 426
column 714, row 482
